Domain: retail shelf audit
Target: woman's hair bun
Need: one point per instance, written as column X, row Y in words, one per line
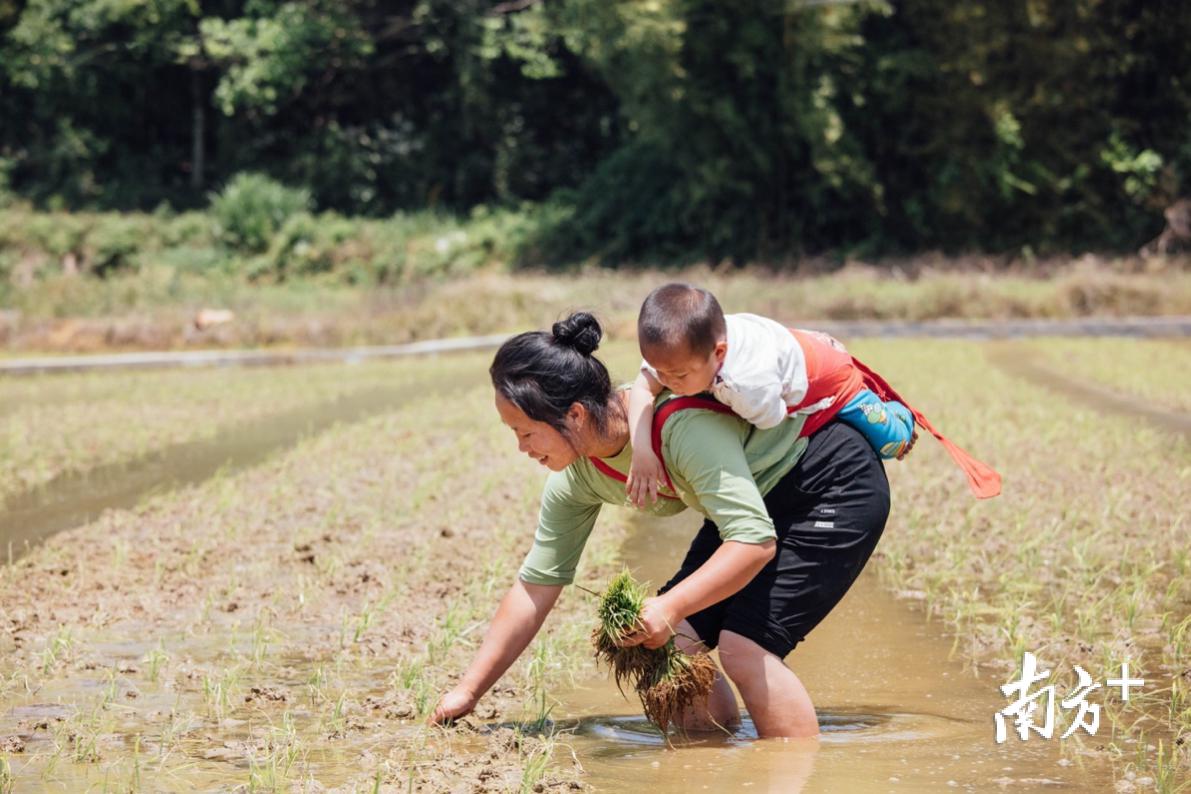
column 581, row 331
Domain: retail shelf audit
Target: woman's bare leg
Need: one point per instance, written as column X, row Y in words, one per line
column 776, row 700
column 720, row 710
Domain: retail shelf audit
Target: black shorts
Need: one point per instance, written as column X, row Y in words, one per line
column 829, row 512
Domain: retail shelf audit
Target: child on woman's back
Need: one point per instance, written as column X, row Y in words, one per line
column 763, row 371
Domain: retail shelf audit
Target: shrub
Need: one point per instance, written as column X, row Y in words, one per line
column 252, row 207
column 113, row 242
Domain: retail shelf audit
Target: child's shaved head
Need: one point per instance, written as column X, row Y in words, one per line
column 680, row 317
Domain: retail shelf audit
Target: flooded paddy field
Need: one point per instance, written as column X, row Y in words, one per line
column 53, row 426
column 287, row 623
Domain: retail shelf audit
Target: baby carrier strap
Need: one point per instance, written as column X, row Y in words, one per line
column 833, row 372
column 668, row 409
column 983, row 480
column 831, row 379
column 608, row 471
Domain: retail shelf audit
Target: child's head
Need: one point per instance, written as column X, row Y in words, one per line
column 683, row 336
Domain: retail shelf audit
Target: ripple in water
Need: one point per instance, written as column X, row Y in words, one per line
column 628, row 733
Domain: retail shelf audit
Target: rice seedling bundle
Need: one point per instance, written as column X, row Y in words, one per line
column 666, row 680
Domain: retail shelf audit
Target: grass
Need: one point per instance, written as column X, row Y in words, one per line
column 155, row 308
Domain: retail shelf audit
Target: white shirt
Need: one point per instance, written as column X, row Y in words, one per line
column 764, row 371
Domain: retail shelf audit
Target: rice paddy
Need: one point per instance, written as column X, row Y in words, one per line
column 1086, row 558
column 290, row 626
column 52, row 426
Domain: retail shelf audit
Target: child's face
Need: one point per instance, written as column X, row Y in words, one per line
column 684, row 372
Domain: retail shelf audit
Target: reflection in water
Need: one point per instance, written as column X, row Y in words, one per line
column 625, row 734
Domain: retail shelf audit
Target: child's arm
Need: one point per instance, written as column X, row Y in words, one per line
column 645, row 473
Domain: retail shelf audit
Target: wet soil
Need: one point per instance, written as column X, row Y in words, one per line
column 288, row 625
column 74, row 499
column 292, row 623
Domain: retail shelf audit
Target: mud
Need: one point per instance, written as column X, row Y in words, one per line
column 290, row 625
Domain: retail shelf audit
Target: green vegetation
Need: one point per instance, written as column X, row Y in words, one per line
column 669, row 131
column 666, row 680
column 255, row 232
column 155, row 308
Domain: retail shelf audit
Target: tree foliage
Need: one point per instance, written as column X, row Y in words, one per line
column 645, row 129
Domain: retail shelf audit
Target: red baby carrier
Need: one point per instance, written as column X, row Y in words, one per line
column 832, row 373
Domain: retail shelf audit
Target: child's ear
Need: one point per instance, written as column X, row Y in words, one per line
column 721, row 350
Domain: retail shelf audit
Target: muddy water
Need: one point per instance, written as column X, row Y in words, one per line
column 897, row 713
column 74, row 500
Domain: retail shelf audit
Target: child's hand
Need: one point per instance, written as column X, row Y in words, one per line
column 645, row 477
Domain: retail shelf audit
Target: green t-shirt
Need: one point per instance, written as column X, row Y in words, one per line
column 721, row 465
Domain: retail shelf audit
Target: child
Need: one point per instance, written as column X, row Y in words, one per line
column 764, row 372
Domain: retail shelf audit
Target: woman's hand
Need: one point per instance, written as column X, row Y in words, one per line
column 645, row 476
column 457, row 703
column 657, row 624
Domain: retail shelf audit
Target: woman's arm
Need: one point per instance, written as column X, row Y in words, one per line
column 727, row 571
column 707, row 451
column 517, row 620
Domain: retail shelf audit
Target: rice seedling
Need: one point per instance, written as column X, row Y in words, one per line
column 261, row 639
column 424, row 691
column 452, row 628
column 7, row 780
column 667, row 681
column 536, row 762
column 539, row 698
column 363, row 621
column 219, row 691
column 316, row 684
column 1168, row 777
column 57, row 649
column 336, row 721
column 111, row 690
column 134, row 782
column 154, row 661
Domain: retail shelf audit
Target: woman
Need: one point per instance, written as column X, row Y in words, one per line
column 790, row 524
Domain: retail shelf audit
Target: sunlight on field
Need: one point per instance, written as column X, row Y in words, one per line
column 293, row 622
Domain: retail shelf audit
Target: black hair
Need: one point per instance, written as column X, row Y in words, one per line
column 681, row 316
column 545, row 373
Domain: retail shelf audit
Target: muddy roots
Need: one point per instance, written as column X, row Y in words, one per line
column 666, row 680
